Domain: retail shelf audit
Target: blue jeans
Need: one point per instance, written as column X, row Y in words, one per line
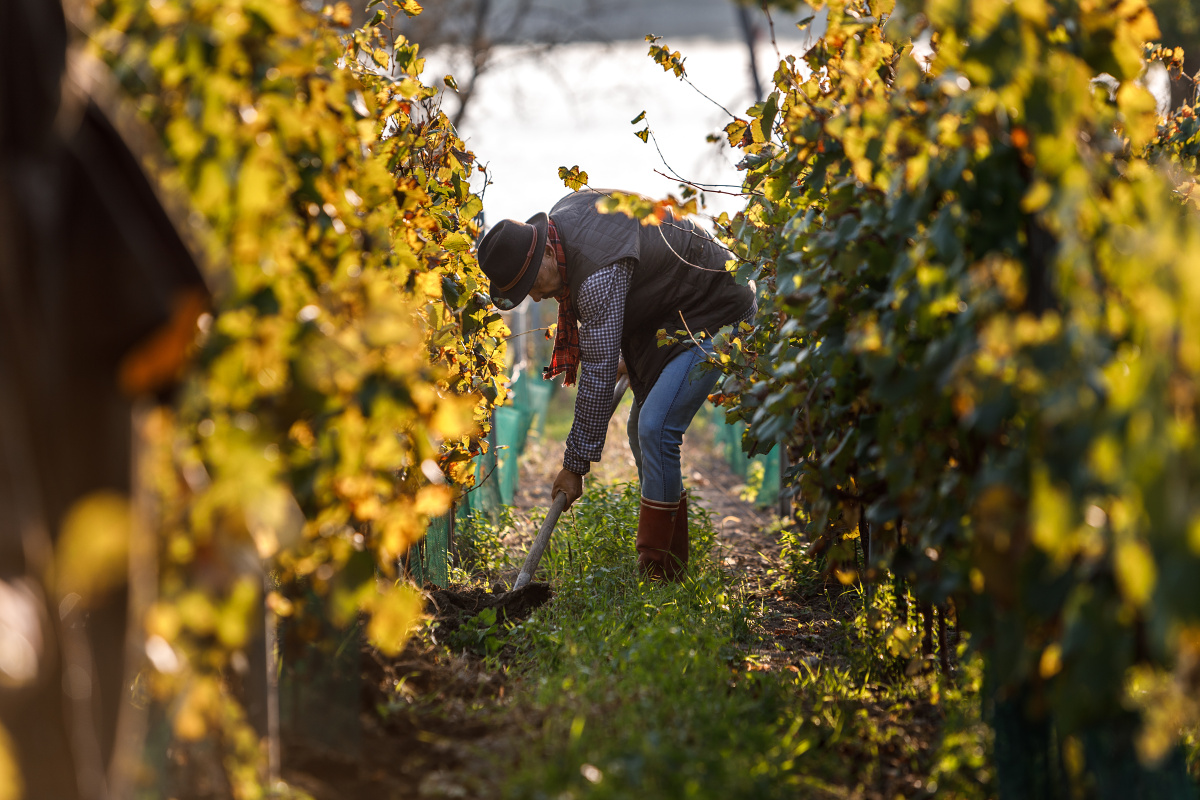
column 656, row 428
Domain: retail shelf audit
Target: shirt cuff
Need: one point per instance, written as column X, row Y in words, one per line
column 580, row 466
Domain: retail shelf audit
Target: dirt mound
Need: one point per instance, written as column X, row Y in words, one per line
column 454, row 607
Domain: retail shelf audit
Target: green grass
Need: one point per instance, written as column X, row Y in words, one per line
column 479, row 547
column 643, row 681
column 653, row 690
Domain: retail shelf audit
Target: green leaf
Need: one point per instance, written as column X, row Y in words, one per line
column 456, row 243
column 471, row 208
column 776, row 186
column 770, row 108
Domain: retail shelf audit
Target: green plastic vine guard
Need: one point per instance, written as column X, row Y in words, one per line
column 738, row 460
column 728, row 437
column 485, row 494
column 511, row 423
column 432, row 563
column 520, row 403
column 769, row 494
column 430, row 558
column 496, row 476
column 533, row 394
column 527, row 394
column 540, row 393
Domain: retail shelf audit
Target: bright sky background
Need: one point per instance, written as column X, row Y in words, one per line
column 534, row 113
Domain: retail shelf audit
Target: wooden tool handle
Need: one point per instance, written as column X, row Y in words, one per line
column 543, row 539
column 619, row 392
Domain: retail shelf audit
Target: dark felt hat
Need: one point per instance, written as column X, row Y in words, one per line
column 510, row 255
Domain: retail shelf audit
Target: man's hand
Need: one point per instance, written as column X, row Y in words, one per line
column 621, row 369
column 570, row 484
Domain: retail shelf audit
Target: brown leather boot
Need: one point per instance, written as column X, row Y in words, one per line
column 680, row 542
column 656, row 527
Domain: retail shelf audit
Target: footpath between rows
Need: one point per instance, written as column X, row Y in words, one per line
column 759, row 677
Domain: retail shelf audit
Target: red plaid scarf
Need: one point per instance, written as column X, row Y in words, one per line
column 566, row 340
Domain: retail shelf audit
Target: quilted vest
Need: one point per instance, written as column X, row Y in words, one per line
column 679, row 281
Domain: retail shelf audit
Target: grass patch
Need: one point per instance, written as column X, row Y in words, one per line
column 685, row 691
column 644, row 684
column 480, row 551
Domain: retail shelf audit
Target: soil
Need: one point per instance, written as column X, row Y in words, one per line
column 429, row 714
column 452, row 607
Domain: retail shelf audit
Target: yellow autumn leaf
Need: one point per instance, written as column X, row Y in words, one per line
column 280, row 605
column 398, row 529
column 1139, row 109
column 1034, row 11
column 197, row 612
column 237, row 612
column 462, row 472
column 453, row 418
column 257, row 186
column 1194, row 535
column 394, row 616
column 164, row 620
column 428, row 286
column 199, row 706
column 274, row 520
column 409, row 87
column 92, row 553
column 1039, row 194
column 1051, row 518
column 434, row 500
column 1050, row 663
column 341, row 15
column 1135, row 571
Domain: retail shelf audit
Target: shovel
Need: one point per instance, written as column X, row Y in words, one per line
column 543, row 539
column 556, row 508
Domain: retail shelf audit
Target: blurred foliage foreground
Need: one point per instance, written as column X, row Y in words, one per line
column 979, row 331
column 346, row 374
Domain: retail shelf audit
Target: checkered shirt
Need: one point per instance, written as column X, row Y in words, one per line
column 601, row 310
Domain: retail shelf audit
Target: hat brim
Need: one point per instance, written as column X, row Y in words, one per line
column 541, row 224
